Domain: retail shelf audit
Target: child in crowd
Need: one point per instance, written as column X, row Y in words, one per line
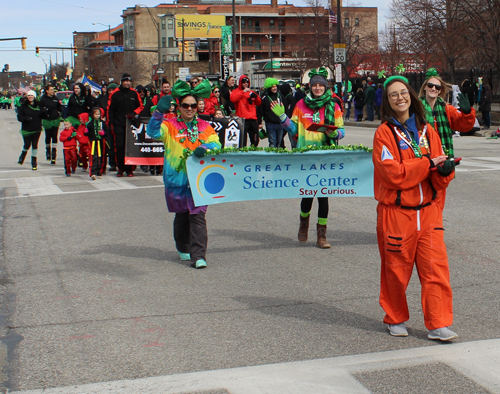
column 172, row 112
column 96, row 134
column 69, row 137
column 218, row 114
column 83, row 141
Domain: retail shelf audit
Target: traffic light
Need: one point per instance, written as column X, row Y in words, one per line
column 186, row 46
column 37, row 51
column 75, row 50
column 180, row 47
column 23, row 43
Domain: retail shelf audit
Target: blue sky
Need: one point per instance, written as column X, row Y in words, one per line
column 50, row 22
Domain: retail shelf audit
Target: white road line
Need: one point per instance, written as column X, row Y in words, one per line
column 479, row 361
column 111, row 183
column 37, row 186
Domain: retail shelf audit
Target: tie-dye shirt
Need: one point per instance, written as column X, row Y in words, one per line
column 177, row 190
column 302, row 118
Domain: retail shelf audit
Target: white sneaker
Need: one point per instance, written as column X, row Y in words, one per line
column 398, row 330
column 442, row 334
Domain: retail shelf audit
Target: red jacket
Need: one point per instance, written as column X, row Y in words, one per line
column 246, row 107
column 68, row 141
column 210, row 104
column 82, row 132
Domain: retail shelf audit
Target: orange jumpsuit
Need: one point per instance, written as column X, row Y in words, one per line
column 410, row 226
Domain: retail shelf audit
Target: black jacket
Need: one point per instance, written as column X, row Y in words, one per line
column 51, row 107
column 123, row 102
column 31, row 119
column 146, row 112
column 225, row 93
column 266, row 113
column 288, row 99
column 77, row 107
column 93, row 134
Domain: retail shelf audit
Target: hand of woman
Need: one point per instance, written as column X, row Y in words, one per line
column 439, row 159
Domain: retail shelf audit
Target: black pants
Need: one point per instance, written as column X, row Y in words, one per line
column 120, row 149
column 252, row 131
column 97, row 159
column 31, row 140
column 190, row 234
column 51, row 135
column 306, row 206
column 110, row 149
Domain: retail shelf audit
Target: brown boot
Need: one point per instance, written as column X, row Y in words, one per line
column 303, row 228
column 322, row 243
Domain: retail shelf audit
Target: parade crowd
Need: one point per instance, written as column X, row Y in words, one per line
column 413, row 156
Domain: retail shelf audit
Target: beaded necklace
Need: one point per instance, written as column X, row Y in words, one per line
column 80, row 103
column 411, row 142
column 192, row 132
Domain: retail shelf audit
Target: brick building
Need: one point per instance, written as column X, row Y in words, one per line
column 263, row 31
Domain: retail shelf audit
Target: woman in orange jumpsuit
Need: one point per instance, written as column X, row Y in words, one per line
column 411, row 171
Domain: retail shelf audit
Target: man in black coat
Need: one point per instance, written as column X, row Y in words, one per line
column 124, row 103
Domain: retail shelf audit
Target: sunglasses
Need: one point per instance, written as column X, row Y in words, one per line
column 187, row 106
column 431, row 85
column 216, row 91
column 245, row 81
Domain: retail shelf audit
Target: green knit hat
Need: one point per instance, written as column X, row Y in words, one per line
column 390, row 79
column 270, row 82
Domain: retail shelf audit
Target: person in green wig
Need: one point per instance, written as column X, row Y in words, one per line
column 273, row 125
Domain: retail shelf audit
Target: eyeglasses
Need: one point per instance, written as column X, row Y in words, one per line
column 187, row 106
column 195, row 81
column 432, row 85
column 404, row 94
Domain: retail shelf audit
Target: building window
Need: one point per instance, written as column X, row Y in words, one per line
column 301, row 21
column 86, row 40
column 243, row 40
column 281, row 22
column 282, row 42
column 356, row 22
column 171, row 42
column 243, row 22
column 130, row 24
column 170, row 24
column 271, row 22
column 250, row 40
column 163, row 58
column 131, row 43
column 163, row 23
column 164, row 42
column 249, row 23
column 346, row 22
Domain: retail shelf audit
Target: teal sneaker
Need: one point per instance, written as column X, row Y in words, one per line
column 184, row 256
column 200, row 264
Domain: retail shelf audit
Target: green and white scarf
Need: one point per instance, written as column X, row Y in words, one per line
column 442, row 122
column 327, row 101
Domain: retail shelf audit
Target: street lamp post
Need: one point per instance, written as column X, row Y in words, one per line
column 109, row 43
column 270, row 37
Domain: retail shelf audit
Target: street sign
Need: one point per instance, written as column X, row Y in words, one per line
column 33, row 74
column 115, row 48
column 183, row 72
column 338, row 73
column 339, row 54
column 160, row 71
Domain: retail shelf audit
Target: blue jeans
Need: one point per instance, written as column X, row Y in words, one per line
column 274, row 134
column 370, row 107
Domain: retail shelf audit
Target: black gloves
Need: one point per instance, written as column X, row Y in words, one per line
column 253, row 95
column 463, row 103
column 447, row 167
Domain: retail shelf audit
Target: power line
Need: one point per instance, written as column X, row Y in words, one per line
column 77, row 6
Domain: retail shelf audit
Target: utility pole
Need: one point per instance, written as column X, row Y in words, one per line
column 234, row 36
column 183, row 49
column 339, row 41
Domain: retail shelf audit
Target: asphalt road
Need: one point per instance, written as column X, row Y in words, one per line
column 95, row 300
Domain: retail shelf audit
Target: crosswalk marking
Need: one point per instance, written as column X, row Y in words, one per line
column 54, row 185
column 39, row 186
